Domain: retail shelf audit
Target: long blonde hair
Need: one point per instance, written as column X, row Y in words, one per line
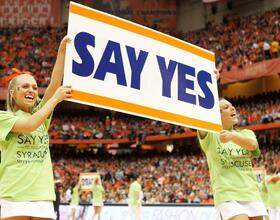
column 97, row 181
column 10, row 101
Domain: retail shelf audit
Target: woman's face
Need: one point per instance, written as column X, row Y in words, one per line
column 228, row 114
column 25, row 93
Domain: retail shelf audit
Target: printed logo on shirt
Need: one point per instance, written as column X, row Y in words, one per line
column 234, row 157
column 32, row 148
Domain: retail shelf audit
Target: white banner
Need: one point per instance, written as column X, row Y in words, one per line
column 160, row 212
column 116, row 64
column 86, row 180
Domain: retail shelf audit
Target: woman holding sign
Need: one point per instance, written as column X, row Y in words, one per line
column 75, row 199
column 97, row 200
column 229, row 154
column 26, row 183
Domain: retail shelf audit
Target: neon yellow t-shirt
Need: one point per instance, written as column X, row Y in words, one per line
column 134, row 188
column 26, row 170
column 230, row 166
column 97, row 191
column 75, row 199
column 264, row 194
column 273, row 191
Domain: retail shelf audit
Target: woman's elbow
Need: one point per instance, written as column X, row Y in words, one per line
column 253, row 146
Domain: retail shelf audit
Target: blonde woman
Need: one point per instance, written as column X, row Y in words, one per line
column 229, row 154
column 75, row 199
column 26, row 183
column 98, row 196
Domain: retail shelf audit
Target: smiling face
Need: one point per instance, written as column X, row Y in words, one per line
column 24, row 93
column 228, row 114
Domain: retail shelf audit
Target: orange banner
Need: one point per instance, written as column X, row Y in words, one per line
column 29, row 13
column 256, row 70
column 158, row 14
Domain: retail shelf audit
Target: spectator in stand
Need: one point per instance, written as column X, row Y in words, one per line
column 274, row 48
column 26, row 184
column 266, row 50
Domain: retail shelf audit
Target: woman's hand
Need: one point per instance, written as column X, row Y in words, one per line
column 225, row 136
column 63, row 92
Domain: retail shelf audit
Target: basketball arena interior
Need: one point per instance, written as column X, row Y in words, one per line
column 244, row 35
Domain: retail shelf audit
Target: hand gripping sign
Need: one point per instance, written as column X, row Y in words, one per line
column 119, row 65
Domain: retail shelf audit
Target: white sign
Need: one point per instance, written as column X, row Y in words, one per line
column 86, row 180
column 156, row 212
column 116, row 64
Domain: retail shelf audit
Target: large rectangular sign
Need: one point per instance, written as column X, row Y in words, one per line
column 119, row 65
column 29, row 13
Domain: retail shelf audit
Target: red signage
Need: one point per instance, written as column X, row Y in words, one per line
column 256, row 70
column 29, row 13
column 157, row 14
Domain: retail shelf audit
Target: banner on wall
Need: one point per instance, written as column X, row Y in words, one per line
column 158, row 14
column 253, row 71
column 29, row 13
column 162, row 212
column 212, row 1
column 119, row 65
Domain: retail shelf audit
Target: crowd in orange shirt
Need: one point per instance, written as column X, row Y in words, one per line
column 258, row 109
column 240, row 41
column 169, row 178
column 237, row 42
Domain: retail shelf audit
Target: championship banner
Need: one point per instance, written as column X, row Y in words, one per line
column 158, row 14
column 119, row 65
column 29, row 13
column 86, row 180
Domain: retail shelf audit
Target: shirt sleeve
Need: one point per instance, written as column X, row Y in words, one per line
column 48, row 120
column 251, row 134
column 7, row 121
column 205, row 142
column 137, row 188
